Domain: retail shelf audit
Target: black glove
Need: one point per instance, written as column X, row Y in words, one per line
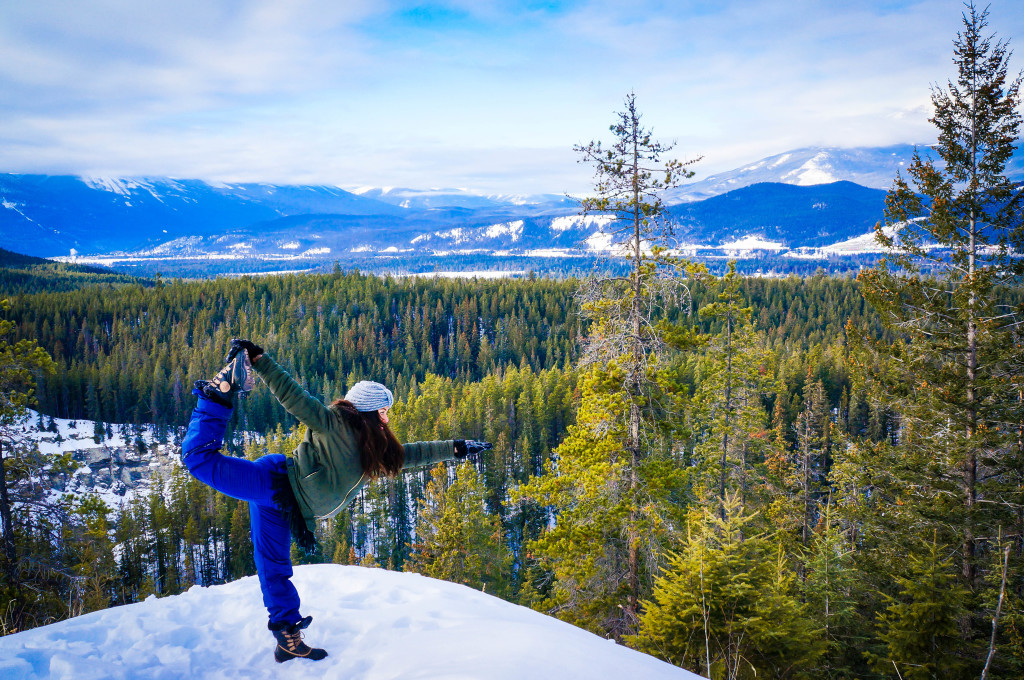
column 469, row 447
column 238, row 344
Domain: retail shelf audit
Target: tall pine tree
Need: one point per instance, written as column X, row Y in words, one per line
column 954, row 229
column 624, row 348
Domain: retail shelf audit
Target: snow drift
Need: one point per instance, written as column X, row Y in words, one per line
column 375, row 624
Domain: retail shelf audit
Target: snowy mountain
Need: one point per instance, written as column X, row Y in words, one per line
column 795, row 216
column 50, row 215
column 790, row 216
column 873, row 167
column 803, row 199
column 374, row 624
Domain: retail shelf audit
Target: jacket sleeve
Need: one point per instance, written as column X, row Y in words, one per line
column 418, row 454
column 308, row 409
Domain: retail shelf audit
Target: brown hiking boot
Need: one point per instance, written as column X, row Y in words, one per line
column 290, row 644
column 237, row 376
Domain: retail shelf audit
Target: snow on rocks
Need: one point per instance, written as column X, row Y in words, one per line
column 374, row 624
column 114, row 469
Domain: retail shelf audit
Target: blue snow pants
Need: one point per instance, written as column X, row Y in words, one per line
column 250, row 481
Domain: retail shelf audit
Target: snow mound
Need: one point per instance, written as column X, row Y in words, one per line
column 375, row 624
column 752, row 242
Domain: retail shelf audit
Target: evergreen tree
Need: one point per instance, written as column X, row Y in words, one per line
column 625, row 344
column 25, row 592
column 733, row 379
column 726, row 605
column 919, row 627
column 456, row 538
column 813, row 462
column 946, row 374
column 832, row 589
column 94, row 554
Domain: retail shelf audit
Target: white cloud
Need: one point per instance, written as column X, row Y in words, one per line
column 489, row 95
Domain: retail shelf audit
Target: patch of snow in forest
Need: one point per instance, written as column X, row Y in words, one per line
column 751, row 242
column 276, row 272
column 572, row 221
column 374, row 624
column 76, row 435
column 14, row 206
column 857, row 245
column 513, row 229
column 600, row 241
column 477, row 274
column 460, row 251
column 457, row 234
column 114, row 185
column 552, row 252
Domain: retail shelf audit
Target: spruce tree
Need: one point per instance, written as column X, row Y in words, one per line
column 954, row 230
column 832, row 589
column 726, row 605
column 456, row 539
column 624, row 347
column 919, row 627
column 730, row 422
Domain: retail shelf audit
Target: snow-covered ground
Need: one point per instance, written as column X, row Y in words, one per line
column 95, row 462
column 76, row 435
column 750, row 243
column 374, row 624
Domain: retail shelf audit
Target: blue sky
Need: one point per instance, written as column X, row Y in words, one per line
column 485, row 94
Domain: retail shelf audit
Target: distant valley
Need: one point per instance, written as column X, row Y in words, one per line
column 802, row 205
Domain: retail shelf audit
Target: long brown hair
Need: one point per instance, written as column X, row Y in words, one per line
column 380, row 454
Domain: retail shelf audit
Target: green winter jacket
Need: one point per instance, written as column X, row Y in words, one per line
column 324, row 471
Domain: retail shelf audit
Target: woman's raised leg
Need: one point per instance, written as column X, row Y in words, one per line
column 200, row 453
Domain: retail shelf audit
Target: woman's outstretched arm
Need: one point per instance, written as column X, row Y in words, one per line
column 308, row 409
column 418, row 454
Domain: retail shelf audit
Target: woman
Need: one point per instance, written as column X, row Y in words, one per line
column 347, row 445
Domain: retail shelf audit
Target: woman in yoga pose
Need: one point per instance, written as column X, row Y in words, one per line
column 347, row 445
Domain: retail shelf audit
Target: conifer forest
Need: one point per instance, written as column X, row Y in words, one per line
column 816, row 477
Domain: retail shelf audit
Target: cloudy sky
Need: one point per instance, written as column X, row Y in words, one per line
column 485, row 94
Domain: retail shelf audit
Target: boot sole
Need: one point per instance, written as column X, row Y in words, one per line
column 281, row 656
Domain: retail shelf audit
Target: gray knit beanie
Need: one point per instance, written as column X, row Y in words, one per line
column 370, row 396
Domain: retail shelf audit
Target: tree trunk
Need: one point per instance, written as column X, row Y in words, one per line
column 728, row 413
column 5, row 516
column 970, row 471
column 633, row 389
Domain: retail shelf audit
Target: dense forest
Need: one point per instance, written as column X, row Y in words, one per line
column 493, row 360
column 130, row 353
column 578, row 262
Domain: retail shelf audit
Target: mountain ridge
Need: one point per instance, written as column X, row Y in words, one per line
column 777, row 199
